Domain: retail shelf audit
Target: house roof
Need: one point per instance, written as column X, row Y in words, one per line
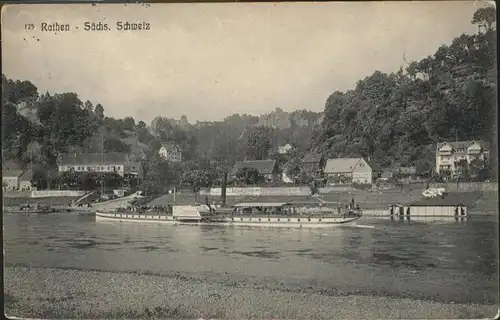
column 339, row 165
column 312, row 158
column 93, row 158
column 286, row 145
column 262, row 166
column 169, row 145
column 387, row 174
column 27, row 175
column 10, row 173
column 464, row 144
column 259, row 204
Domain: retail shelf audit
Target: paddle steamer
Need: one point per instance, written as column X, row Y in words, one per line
column 242, row 214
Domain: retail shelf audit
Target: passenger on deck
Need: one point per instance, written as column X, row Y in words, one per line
column 456, row 210
column 462, row 210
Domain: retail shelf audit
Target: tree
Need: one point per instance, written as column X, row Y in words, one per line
column 479, row 170
column 462, row 169
column 129, row 123
column 89, row 106
column 99, row 111
column 141, row 124
column 159, row 176
column 485, row 18
column 196, row 179
column 258, row 143
column 450, row 94
column 115, row 145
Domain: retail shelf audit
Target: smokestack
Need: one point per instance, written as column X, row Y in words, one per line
column 223, row 190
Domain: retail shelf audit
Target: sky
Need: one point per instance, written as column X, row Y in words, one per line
column 208, row 61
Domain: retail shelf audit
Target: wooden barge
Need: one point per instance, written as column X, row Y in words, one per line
column 450, row 205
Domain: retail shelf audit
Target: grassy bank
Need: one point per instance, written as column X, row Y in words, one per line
column 63, row 293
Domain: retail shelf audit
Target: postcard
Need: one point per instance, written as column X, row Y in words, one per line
column 287, row 160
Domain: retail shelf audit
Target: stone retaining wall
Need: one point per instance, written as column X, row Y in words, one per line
column 56, row 193
column 259, row 191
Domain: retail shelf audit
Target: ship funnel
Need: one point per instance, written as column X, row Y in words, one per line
column 223, row 190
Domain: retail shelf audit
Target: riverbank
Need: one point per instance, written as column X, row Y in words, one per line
column 71, row 293
column 53, row 201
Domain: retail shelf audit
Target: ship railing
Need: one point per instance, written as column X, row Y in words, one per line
column 332, row 214
column 137, row 212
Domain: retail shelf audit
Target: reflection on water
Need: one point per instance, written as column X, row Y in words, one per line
column 440, row 261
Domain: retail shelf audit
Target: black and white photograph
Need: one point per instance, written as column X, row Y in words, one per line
column 257, row 160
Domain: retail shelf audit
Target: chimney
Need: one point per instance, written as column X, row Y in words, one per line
column 223, row 190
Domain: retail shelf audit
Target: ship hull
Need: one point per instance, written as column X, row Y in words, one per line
column 237, row 221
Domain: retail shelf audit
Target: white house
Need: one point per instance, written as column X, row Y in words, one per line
column 350, row 170
column 10, row 179
column 97, row 162
column 448, row 154
column 14, row 177
column 170, row 152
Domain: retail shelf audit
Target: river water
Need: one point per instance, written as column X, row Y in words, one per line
column 443, row 261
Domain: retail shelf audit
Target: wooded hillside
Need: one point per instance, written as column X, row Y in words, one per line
column 399, row 117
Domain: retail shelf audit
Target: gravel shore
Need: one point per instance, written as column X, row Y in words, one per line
column 70, row 293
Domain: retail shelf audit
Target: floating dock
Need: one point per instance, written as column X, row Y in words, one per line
column 455, row 204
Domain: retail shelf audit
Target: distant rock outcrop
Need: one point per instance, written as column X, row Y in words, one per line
column 280, row 119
